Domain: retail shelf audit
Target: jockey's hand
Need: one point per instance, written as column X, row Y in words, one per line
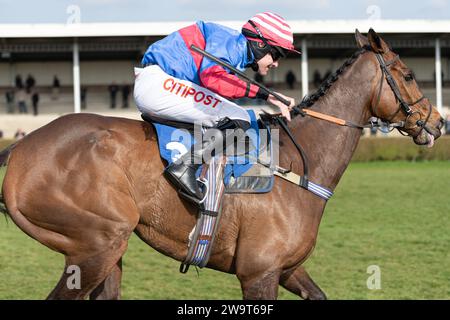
column 285, row 110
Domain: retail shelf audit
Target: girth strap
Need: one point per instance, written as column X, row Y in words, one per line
column 317, row 189
column 301, row 181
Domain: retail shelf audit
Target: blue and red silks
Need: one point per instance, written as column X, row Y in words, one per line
column 174, row 56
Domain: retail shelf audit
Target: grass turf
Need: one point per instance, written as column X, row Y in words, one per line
column 390, row 214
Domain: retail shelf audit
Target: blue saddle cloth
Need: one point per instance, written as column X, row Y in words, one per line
column 173, row 142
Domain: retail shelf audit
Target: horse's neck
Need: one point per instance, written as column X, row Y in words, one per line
column 329, row 147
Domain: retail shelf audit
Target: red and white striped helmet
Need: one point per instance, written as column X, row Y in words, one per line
column 272, row 28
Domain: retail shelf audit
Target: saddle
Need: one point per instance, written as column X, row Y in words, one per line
column 244, row 173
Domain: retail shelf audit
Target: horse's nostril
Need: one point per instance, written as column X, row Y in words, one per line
column 441, row 123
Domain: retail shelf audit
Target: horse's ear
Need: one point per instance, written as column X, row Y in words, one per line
column 378, row 45
column 361, row 40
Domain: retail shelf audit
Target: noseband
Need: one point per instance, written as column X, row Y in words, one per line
column 402, row 104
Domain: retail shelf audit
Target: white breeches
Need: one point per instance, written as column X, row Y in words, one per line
column 167, row 97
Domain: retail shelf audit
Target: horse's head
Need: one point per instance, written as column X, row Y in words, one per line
column 397, row 96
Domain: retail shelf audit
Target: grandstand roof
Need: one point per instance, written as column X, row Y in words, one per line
column 164, row 28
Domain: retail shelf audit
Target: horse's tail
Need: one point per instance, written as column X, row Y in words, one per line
column 4, row 158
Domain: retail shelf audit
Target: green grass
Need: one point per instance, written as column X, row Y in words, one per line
column 390, row 214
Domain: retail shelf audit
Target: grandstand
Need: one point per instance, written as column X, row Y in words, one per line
column 92, row 56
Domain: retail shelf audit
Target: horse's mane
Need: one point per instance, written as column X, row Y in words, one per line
column 309, row 100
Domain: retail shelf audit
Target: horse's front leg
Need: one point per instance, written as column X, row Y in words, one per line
column 260, row 287
column 299, row 282
column 258, row 270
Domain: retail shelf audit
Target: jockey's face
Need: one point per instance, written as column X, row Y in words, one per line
column 265, row 64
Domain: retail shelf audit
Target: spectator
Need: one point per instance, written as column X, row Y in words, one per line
column 113, row 88
column 21, row 100
column 125, row 95
column 447, row 125
column 19, row 82
column 1, row 134
column 290, row 79
column 19, row 134
column 56, row 87
column 317, row 80
column 9, row 95
column 327, row 74
column 30, row 83
column 35, row 102
column 83, row 94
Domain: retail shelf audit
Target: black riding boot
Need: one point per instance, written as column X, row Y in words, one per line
column 182, row 172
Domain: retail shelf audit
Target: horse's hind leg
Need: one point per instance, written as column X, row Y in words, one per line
column 109, row 289
column 92, row 271
column 300, row 283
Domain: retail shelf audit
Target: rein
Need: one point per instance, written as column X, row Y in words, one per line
column 378, row 123
column 403, row 105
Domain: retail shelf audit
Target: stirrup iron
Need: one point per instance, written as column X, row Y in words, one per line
column 192, row 199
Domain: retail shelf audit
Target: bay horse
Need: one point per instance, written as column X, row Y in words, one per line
column 83, row 183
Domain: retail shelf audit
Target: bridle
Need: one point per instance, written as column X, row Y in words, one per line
column 402, row 104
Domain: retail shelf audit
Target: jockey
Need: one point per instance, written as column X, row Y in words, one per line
column 177, row 83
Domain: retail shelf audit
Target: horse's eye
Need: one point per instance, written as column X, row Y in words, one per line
column 409, row 77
